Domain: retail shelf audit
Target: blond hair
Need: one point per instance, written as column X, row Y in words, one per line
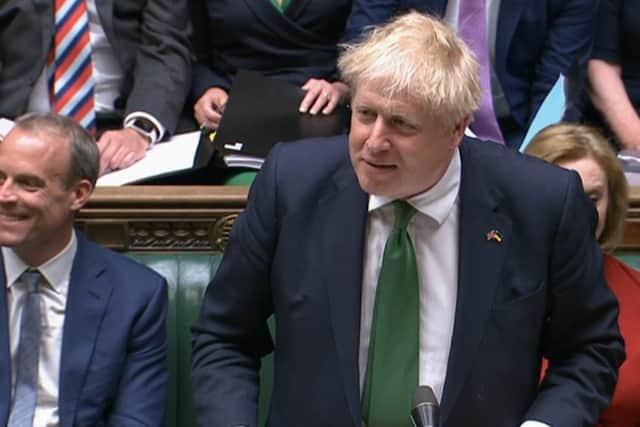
column 567, row 142
column 419, row 57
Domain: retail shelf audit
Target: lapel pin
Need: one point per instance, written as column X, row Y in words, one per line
column 495, row 236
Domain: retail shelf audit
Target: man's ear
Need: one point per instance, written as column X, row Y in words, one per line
column 80, row 193
column 458, row 130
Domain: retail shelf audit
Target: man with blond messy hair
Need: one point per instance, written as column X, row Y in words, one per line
column 489, row 264
column 524, row 44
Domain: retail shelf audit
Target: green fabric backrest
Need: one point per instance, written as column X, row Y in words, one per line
column 631, row 258
column 188, row 275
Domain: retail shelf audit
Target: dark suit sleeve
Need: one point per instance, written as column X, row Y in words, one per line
column 231, row 334
column 205, row 75
column 162, row 71
column 581, row 340
column 143, row 393
column 568, row 44
column 365, row 13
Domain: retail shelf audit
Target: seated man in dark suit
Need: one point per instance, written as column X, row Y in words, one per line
column 525, row 44
column 489, row 264
column 121, row 66
column 82, row 329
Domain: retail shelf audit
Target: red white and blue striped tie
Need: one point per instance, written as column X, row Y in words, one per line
column 70, row 69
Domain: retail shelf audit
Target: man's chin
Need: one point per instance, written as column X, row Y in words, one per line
column 10, row 240
column 376, row 188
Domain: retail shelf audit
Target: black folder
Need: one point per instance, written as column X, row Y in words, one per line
column 261, row 112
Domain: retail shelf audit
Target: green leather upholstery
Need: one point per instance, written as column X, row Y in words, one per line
column 631, row 258
column 188, row 275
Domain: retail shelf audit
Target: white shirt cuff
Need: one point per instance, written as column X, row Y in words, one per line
column 142, row 115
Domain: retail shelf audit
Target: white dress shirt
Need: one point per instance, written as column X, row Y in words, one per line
column 434, row 232
column 53, row 301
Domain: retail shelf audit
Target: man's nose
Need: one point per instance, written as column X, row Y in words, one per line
column 378, row 139
column 7, row 193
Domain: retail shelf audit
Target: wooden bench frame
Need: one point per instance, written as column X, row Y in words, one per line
column 199, row 218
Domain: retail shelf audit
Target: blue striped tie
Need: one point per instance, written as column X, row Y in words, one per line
column 70, row 68
column 26, row 393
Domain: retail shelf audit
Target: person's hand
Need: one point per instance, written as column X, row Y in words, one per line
column 323, row 96
column 209, row 108
column 121, row 148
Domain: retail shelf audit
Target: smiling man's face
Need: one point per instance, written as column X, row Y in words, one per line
column 37, row 205
column 397, row 148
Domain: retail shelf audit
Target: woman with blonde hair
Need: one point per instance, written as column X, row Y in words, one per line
column 585, row 150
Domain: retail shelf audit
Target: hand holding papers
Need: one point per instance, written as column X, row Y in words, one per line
column 179, row 153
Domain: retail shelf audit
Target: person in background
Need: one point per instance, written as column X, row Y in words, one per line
column 585, row 150
column 523, row 46
column 614, row 73
column 292, row 40
column 83, row 334
column 121, row 68
column 490, row 263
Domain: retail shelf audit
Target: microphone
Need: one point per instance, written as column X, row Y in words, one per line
column 426, row 411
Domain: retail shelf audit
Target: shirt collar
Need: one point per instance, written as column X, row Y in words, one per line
column 56, row 271
column 438, row 201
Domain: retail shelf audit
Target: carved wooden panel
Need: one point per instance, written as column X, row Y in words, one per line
column 199, row 218
column 631, row 239
column 162, row 218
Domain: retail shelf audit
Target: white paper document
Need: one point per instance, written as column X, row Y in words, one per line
column 178, row 153
column 5, row 126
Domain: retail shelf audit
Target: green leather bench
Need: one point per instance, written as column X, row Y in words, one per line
column 188, row 275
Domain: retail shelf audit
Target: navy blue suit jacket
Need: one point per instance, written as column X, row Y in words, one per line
column 297, row 251
column 536, row 40
column 295, row 45
column 113, row 369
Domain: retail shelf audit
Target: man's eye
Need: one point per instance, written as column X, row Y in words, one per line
column 30, row 186
column 365, row 112
column 401, row 123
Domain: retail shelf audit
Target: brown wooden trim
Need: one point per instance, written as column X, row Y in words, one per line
column 199, row 218
column 162, row 218
column 631, row 239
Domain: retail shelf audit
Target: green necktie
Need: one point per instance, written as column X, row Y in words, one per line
column 392, row 368
column 281, row 7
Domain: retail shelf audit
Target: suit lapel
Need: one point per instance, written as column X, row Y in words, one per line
column 283, row 24
column 105, row 12
column 5, row 355
column 295, row 8
column 344, row 209
column 479, row 267
column 45, row 11
column 87, row 299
